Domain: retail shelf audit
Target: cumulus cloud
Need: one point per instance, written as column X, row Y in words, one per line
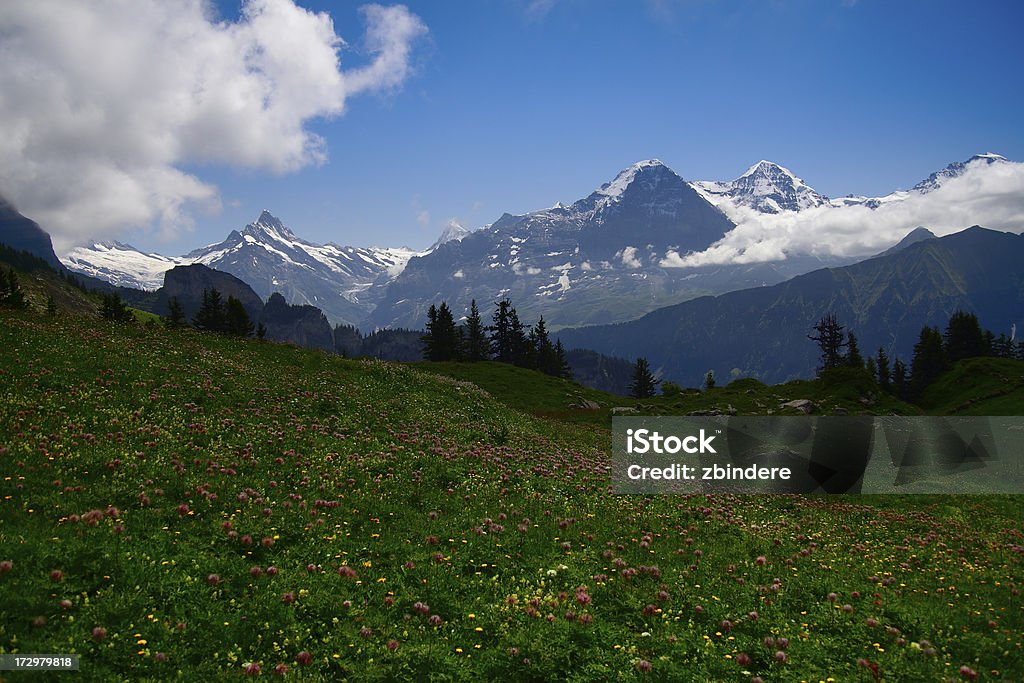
column 990, row 195
column 629, row 258
column 108, row 106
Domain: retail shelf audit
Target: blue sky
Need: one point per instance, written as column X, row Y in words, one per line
column 512, row 105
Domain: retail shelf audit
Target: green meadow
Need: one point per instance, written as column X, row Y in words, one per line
column 176, row 504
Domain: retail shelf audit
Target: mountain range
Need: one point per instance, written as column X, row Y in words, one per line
column 885, row 301
column 599, row 260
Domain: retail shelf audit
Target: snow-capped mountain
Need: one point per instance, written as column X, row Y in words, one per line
column 268, row 256
column 122, row 264
column 453, row 231
column 597, row 259
column 956, row 169
column 765, row 187
column 769, row 188
column 602, row 258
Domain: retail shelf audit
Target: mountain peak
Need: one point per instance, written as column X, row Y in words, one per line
column 955, row 169
column 270, row 226
column 766, row 187
column 768, row 168
column 625, row 178
column 454, row 231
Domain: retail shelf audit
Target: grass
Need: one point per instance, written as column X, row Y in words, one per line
column 175, row 504
column 978, row 386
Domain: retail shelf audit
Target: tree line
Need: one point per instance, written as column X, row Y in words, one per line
column 934, row 352
column 505, row 340
column 216, row 315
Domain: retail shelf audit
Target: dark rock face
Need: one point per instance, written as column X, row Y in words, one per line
column 302, row 325
column 24, row 234
column 188, row 282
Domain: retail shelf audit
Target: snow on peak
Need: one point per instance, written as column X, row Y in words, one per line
column 269, row 226
column 955, row 169
column 625, row 178
column 769, row 168
column 990, row 156
column 454, row 231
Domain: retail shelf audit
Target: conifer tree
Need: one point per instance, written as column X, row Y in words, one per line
column 643, row 384
column 928, row 362
column 115, row 309
column 830, row 340
column 429, row 339
column 963, row 337
column 476, row 336
column 11, row 294
column 900, row 383
column 1002, row 347
column 517, row 339
column 261, row 331
column 501, row 332
column 237, row 322
column 882, row 370
column 443, row 340
column 211, row 316
column 544, row 350
column 175, row 313
column 564, row 370
column 853, row 357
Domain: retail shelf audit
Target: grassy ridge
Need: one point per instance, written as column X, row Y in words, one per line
column 210, row 507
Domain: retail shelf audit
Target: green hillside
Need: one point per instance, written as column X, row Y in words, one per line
column 177, row 504
column 978, row 386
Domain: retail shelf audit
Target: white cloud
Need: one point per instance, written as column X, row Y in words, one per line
column 107, row 104
column 988, row 195
column 629, row 258
column 423, row 218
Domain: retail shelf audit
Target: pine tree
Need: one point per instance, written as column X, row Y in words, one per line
column 853, row 357
column 443, row 340
column 11, row 294
column 448, row 337
column 211, row 316
column 928, row 362
column 261, row 331
column 501, row 332
column 709, row 379
column 475, row 335
column 830, row 340
column 237, row 322
column 175, row 313
column 429, row 339
column 564, row 370
column 643, row 381
column 115, row 309
column 1002, row 347
column 544, row 350
column 963, row 337
column 900, row 384
column 517, row 338
column 882, row 367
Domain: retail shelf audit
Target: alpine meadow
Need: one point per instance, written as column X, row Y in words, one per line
column 511, row 340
